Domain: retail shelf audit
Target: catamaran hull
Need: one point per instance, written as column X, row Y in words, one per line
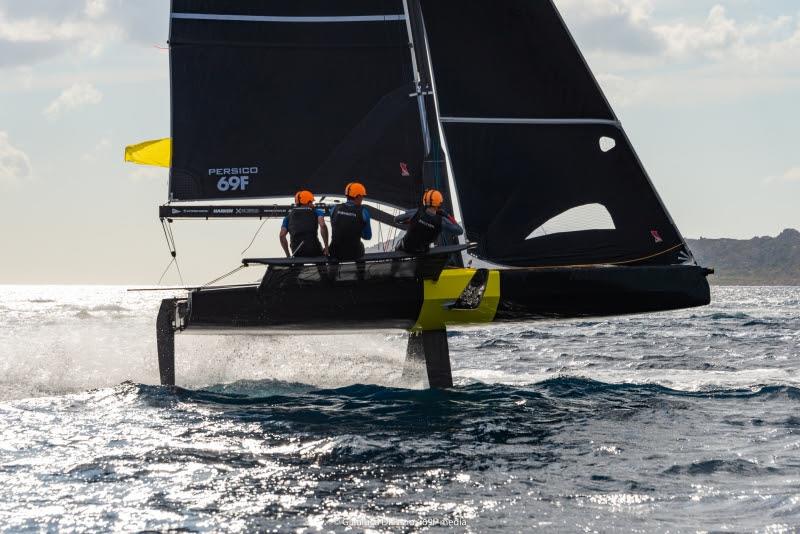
column 517, row 295
column 425, row 307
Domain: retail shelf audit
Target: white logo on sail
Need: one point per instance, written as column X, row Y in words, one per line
column 233, row 178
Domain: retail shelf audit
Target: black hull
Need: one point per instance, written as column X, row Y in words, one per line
column 600, row 291
column 524, row 294
column 357, row 298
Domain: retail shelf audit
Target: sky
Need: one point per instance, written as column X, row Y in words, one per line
column 707, row 90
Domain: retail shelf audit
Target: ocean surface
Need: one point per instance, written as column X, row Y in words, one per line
column 677, row 422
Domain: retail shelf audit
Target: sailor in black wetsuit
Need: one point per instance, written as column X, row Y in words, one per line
column 301, row 225
column 350, row 223
column 426, row 224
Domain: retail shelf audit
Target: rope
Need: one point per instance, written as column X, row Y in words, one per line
column 626, row 262
column 223, row 277
column 255, row 236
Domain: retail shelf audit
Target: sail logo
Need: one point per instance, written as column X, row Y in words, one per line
column 656, row 236
column 233, row 178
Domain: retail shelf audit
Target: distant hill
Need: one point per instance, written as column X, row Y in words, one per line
column 772, row 261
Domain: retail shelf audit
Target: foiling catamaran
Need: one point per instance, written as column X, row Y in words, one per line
column 489, row 101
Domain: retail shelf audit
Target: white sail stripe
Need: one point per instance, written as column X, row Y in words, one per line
column 489, row 120
column 264, row 18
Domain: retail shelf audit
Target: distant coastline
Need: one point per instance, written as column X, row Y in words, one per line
column 761, row 261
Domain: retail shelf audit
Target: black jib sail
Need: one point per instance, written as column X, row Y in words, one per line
column 544, row 171
column 271, row 96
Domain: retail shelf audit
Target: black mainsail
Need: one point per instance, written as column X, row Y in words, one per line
column 272, row 96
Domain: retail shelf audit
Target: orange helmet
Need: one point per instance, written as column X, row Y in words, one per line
column 432, row 198
column 304, row 197
column 355, row 189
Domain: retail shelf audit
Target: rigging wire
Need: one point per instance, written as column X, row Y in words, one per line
column 175, row 249
column 166, row 225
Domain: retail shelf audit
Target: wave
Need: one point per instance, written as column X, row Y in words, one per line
column 667, row 365
column 709, row 467
column 110, row 308
column 472, row 425
column 585, row 387
column 762, row 322
column 476, row 394
column 534, row 334
column 497, row 343
column 721, row 316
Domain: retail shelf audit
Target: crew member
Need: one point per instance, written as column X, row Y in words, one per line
column 426, row 224
column 301, row 225
column 350, row 223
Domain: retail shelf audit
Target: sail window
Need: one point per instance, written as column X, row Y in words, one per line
column 579, row 219
column 607, row 144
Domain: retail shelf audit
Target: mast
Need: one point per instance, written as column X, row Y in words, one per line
column 451, row 182
column 420, row 93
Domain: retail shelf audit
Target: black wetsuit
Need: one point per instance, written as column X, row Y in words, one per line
column 347, row 226
column 423, row 229
column 302, row 224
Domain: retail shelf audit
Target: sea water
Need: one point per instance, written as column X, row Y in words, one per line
column 674, row 422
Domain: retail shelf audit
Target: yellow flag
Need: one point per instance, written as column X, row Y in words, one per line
column 157, row 153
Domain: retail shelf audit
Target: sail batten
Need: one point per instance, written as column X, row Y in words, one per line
column 500, row 120
column 275, row 18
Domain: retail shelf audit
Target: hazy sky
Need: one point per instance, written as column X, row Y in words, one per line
column 709, row 92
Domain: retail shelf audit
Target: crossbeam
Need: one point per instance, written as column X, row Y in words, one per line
column 367, row 258
column 276, row 211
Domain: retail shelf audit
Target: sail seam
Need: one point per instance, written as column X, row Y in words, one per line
column 266, row 18
column 493, row 120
